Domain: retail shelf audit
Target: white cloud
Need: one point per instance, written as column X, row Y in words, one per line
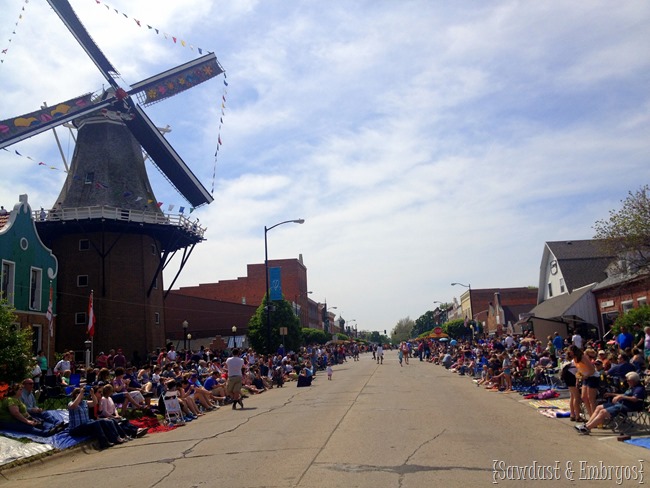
column 423, row 142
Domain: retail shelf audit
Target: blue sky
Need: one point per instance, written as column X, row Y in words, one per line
column 424, row 142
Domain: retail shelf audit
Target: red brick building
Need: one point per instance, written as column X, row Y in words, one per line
column 206, row 318
column 618, row 294
column 496, row 307
column 250, row 289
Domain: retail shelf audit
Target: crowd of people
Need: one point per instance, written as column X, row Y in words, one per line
column 102, row 397
column 604, row 379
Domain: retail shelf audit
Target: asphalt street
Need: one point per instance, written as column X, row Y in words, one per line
column 371, row 426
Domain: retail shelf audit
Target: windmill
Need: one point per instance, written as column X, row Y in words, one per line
column 106, row 228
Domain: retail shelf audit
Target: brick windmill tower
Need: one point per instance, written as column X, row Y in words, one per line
column 106, row 228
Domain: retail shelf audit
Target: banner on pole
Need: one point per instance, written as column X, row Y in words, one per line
column 275, row 283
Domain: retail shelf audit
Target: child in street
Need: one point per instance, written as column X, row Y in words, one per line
column 329, row 371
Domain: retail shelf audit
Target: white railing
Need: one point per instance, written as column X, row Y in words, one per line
column 121, row 214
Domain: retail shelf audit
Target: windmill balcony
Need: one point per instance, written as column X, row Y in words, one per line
column 186, row 231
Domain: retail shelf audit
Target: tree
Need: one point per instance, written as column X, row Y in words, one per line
column 634, row 320
column 455, row 328
column 424, row 323
column 15, row 346
column 282, row 315
column 314, row 336
column 373, row 336
column 627, row 231
column 403, row 331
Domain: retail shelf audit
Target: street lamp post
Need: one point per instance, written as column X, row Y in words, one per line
column 469, row 288
column 268, row 285
column 234, row 336
column 185, row 325
column 189, row 343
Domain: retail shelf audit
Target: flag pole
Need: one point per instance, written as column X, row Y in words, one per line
column 50, row 319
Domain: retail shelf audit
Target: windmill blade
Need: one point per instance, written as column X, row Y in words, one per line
column 166, row 158
column 177, row 80
column 19, row 128
column 64, row 10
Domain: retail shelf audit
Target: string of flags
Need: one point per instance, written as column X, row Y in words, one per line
column 223, row 112
column 102, row 186
column 4, row 51
column 175, row 39
column 167, row 36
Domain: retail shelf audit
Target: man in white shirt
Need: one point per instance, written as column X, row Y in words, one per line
column 380, row 354
column 235, row 366
column 171, row 354
column 576, row 340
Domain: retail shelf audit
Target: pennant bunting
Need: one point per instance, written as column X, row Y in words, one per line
column 175, row 39
column 13, row 33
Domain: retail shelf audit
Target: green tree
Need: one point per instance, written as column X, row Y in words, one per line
column 627, row 231
column 15, row 346
column 424, row 323
column 454, row 328
column 282, row 315
column 403, row 331
column 314, row 336
column 634, row 320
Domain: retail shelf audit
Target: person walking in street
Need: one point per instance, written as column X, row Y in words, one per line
column 235, row 366
column 380, row 354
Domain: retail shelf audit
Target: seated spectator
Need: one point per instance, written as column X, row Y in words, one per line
column 102, row 360
column 121, row 394
column 630, row 401
column 107, row 410
column 602, row 356
column 304, row 379
column 638, row 360
column 80, row 423
column 447, row 360
column 215, row 385
column 188, row 400
column 14, row 415
column 65, row 377
column 28, row 398
column 200, row 394
column 621, row 368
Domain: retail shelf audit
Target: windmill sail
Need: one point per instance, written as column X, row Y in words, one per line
column 18, row 128
column 64, row 10
column 177, row 80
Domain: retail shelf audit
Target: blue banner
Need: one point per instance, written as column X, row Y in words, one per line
column 275, row 284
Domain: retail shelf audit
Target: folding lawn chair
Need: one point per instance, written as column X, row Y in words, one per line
column 173, row 411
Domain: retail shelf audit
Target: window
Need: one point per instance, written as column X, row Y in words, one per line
column 81, row 318
column 156, row 318
column 550, row 290
column 627, row 305
column 35, row 288
column 37, row 337
column 562, row 287
column 90, row 177
column 642, row 301
column 84, row 244
column 8, row 281
column 82, row 281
